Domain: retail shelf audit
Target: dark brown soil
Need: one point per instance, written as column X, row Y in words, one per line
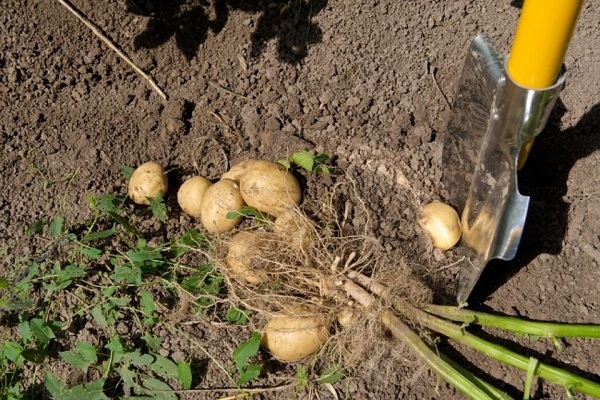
column 266, row 78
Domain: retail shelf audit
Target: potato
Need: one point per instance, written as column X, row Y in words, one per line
column 220, row 199
column 269, row 187
column 295, row 229
column 441, row 223
column 236, row 172
column 242, row 257
column 292, row 338
column 347, row 316
column 191, row 193
column 147, row 181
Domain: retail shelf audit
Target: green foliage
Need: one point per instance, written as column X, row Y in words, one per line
column 237, row 316
column 241, row 357
column 248, row 212
column 332, row 374
column 109, row 271
column 304, row 159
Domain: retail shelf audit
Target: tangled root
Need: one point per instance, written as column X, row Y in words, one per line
column 302, row 264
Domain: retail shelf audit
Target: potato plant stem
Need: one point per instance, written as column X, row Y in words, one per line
column 514, row 324
column 464, row 383
column 557, row 375
column 461, row 382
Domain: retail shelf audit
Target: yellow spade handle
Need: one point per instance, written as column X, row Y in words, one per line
column 541, row 40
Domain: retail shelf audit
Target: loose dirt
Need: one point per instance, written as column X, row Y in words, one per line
column 368, row 81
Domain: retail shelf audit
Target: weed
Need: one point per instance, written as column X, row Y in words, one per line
column 109, row 272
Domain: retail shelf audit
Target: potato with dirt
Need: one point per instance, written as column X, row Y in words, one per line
column 296, row 335
column 219, row 200
column 191, row 194
column 243, row 257
column 147, row 181
column 269, row 187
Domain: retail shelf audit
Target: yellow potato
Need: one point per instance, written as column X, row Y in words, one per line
column 147, row 181
column 269, row 187
column 294, row 228
column 191, row 193
column 236, row 172
column 441, row 223
column 243, row 255
column 220, row 199
column 292, row 338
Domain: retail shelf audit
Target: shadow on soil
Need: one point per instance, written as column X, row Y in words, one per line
column 189, row 21
column 544, row 178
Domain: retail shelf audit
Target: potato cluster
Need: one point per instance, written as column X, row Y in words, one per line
column 271, row 189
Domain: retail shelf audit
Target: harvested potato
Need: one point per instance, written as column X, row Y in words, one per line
column 292, row 338
column 295, row 229
column 236, row 172
column 243, row 256
column 269, row 187
column 147, row 181
column 441, row 223
column 220, row 199
column 347, row 316
column 191, row 193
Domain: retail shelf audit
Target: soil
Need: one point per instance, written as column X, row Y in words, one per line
column 370, row 82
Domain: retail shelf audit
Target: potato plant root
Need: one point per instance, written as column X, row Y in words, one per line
column 314, row 275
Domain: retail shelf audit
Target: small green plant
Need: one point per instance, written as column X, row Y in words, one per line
column 308, row 161
column 241, row 357
column 108, row 269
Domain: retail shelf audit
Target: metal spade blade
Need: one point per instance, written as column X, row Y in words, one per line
column 492, row 118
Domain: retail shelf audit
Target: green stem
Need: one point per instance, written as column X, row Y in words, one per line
column 557, row 375
column 491, row 390
column 514, row 324
column 461, row 382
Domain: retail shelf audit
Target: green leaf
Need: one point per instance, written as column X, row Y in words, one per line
column 56, row 388
column 77, row 360
column 16, row 305
column 164, row 367
column 148, row 308
column 127, row 171
column 158, row 207
column 154, row 385
column 41, row 331
column 245, row 351
column 250, row 372
column 34, row 355
column 4, row 283
column 25, row 331
column 132, row 276
column 147, row 302
column 71, row 272
column 88, row 351
column 36, row 227
column 303, row 159
column 184, row 374
column 127, row 375
column 56, row 227
column 152, row 342
column 322, row 158
column 98, row 315
column 138, row 359
column 331, row 374
column 100, row 235
column 285, row 162
column 192, row 239
column 249, row 212
column 115, row 345
column 12, row 351
column 236, row 316
column 90, row 252
column 109, row 203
